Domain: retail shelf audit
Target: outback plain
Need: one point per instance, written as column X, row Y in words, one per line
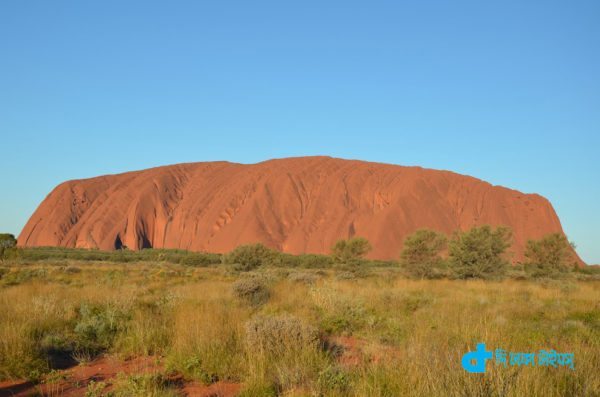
column 256, row 322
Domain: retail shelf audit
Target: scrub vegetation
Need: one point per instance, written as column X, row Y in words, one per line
column 308, row 325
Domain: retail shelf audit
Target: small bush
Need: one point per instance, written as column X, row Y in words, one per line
column 480, row 252
column 249, row 257
column 97, row 327
column 279, row 334
column 95, row 389
column 338, row 314
column 7, row 241
column 350, row 252
column 251, row 290
column 333, row 379
column 549, row 256
column 415, row 301
column 421, row 253
column 283, row 352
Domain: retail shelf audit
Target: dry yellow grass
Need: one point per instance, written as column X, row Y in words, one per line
column 409, row 335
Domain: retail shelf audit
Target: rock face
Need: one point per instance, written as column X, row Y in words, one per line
column 295, row 205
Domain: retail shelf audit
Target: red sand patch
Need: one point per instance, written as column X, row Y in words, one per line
column 219, row 389
column 74, row 382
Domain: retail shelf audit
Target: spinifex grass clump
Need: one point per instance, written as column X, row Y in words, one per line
column 283, row 352
column 279, row 334
column 303, row 277
column 149, row 329
column 207, row 341
column 20, row 354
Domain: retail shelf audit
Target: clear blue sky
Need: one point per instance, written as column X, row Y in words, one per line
column 506, row 91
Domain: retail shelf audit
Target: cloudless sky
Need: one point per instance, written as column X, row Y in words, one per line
column 506, row 91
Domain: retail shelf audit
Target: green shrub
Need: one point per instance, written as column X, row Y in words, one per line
column 416, row 300
column 337, row 313
column 194, row 367
column 333, row 379
column 344, row 321
column 351, row 251
column 97, row 327
column 249, row 257
column 548, row 256
column 95, row 389
column 7, row 241
column 421, row 253
column 251, row 290
column 480, row 252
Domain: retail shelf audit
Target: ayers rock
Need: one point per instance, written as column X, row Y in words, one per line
column 296, row 205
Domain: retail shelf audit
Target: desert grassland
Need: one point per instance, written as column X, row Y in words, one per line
column 311, row 333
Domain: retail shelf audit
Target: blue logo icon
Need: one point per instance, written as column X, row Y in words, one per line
column 474, row 362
